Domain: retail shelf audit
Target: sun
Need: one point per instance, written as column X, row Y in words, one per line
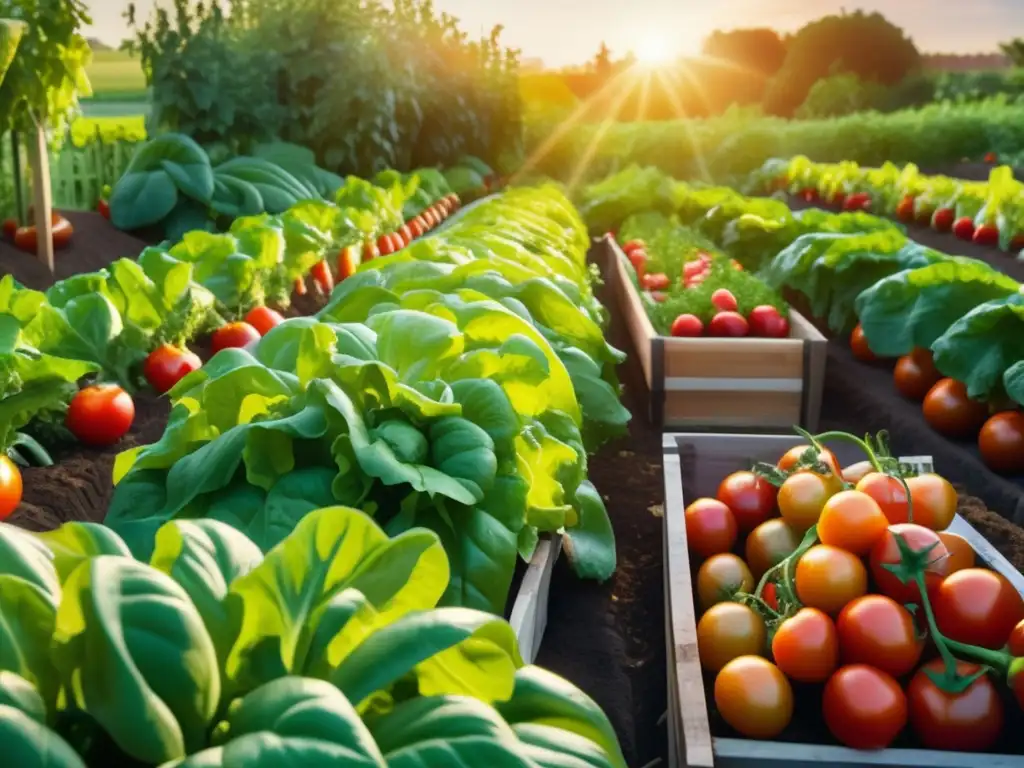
column 655, row 50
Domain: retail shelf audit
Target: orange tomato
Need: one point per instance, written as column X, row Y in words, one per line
column 828, row 578
column 803, row 496
column 720, row 577
column 853, row 521
column 961, row 553
column 727, row 631
column 754, row 697
column 933, row 501
column 805, row 646
column 792, row 456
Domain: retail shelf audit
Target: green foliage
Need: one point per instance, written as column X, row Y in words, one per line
column 760, row 49
column 866, row 45
column 327, row 650
column 47, row 74
column 1015, row 50
column 840, row 95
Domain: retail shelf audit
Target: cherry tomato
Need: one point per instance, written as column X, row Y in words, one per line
column 233, row 335
column 754, row 697
column 991, row 158
column 805, row 646
column 942, row 219
column 693, row 268
column 978, row 607
column 970, row 721
column 405, row 232
column 886, row 552
column 751, row 499
column 864, row 707
column 888, row 493
column 859, row 345
column 634, row 245
column 1016, row 642
column 322, row 277
column 710, row 527
column 638, row 259
column 727, row 631
column 385, row 246
column 100, row 415
column 905, row 209
column 915, row 376
column 370, row 251
column 416, row 227
column 933, row 501
column 167, row 365
column 766, row 322
column 828, row 578
column 961, row 553
column 720, row 577
column 963, row 228
column 986, row 235
column 728, row 325
column 263, row 319
column 10, row 487
column 1001, row 442
column 770, row 594
column 856, row 472
column 802, row 497
column 687, row 325
column 853, row 521
column 348, row 262
column 655, row 282
column 724, row 300
column 949, row 411
column 877, row 631
column 769, row 544
column 793, row 455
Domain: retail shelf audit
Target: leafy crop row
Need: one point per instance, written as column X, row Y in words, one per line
column 327, row 650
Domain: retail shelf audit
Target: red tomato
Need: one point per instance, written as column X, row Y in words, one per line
column 978, row 607
column 10, row 487
column 864, row 707
column 877, row 631
column 10, row 228
column 838, row 198
column 751, row 499
column 770, row 595
column 827, row 578
column 322, row 277
column 405, row 232
column 728, row 324
column 724, row 300
column 754, row 697
column 766, row 322
column 385, row 246
column 859, row 345
column 710, row 527
column 370, row 251
column 103, row 208
column 687, row 325
column 167, row 365
column 727, row 631
column 949, row 411
column 990, row 158
column 853, row 521
column 658, row 296
column 263, row 319
column 805, row 647
column 692, row 269
column 657, row 282
column 769, row 544
column 905, row 209
column 970, row 721
column 1016, row 244
column 634, row 245
column 888, row 493
column 720, row 577
column 861, row 201
column 415, row 227
column 886, row 552
column 233, row 335
column 100, row 415
column 942, row 219
column 915, row 375
column 963, row 228
column 348, row 262
column 638, row 258
column 1001, row 442
column 933, row 501
column 986, row 235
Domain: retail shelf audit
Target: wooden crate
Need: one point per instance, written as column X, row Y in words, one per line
column 694, row 464
column 748, row 384
column 529, row 616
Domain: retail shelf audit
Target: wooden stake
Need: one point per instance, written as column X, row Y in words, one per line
column 42, row 198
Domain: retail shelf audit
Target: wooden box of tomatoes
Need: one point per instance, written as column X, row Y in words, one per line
column 742, row 384
column 727, row 710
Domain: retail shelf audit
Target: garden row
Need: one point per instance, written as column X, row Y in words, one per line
column 451, row 390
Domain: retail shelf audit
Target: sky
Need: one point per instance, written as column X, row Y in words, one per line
column 564, row 32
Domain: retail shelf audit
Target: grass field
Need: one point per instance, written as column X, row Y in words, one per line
column 115, row 72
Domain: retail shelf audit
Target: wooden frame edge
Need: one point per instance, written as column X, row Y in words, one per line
column 529, row 616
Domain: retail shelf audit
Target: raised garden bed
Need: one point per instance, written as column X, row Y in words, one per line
column 747, row 384
column 694, row 465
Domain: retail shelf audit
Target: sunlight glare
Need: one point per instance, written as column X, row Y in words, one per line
column 654, row 50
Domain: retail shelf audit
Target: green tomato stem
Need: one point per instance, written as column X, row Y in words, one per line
column 846, row 436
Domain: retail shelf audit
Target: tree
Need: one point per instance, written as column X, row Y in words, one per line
column 1015, row 50
column 761, row 49
column 603, row 61
column 865, row 45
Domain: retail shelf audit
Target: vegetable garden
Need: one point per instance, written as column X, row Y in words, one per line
column 386, row 452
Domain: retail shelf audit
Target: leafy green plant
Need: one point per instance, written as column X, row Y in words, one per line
column 328, row 648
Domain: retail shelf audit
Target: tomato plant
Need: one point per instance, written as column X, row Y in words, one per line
column 727, row 631
column 1001, row 442
column 853, row 521
column 926, row 544
column 239, row 334
column 720, row 577
column 754, row 697
column 859, row 345
column 263, row 319
column 166, row 365
column 100, row 415
column 889, row 493
column 10, row 487
column 802, row 497
column 933, row 500
column 828, row 578
column 978, row 607
column 915, row 375
column 970, row 721
column 877, row 631
column 769, row 544
column 949, row 411
column 751, row 499
column 864, row 707
column 805, row 646
column 710, row 527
